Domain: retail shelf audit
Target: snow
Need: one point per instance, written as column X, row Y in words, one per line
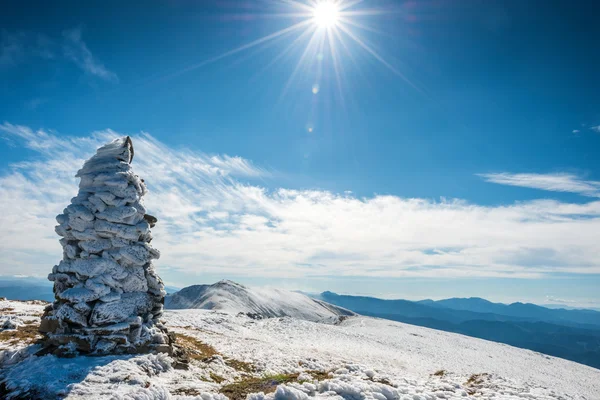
column 231, row 297
column 360, row 358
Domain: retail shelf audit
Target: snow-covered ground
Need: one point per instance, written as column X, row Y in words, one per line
column 357, row 358
column 233, row 298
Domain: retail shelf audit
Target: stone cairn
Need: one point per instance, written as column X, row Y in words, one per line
column 108, row 296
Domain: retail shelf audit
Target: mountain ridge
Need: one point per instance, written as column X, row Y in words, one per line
column 232, row 297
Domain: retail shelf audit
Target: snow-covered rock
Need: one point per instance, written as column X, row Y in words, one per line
column 231, row 297
column 106, row 278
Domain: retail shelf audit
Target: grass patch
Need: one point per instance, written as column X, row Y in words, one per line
column 240, row 366
column 25, row 334
column 439, row 373
column 187, row 392
column 194, row 348
column 268, row 384
column 318, row 375
column 216, row 378
column 476, row 379
column 200, row 351
column 474, row 382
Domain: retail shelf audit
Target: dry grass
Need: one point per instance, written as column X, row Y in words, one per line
column 23, row 334
column 217, row 378
column 240, row 366
column 268, row 384
column 476, row 379
column 187, row 392
column 194, row 348
column 318, row 375
column 200, row 351
column 474, row 382
column 439, row 373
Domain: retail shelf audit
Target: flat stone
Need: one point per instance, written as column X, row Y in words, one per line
column 109, row 329
column 118, row 339
column 81, row 343
column 49, row 324
column 135, row 303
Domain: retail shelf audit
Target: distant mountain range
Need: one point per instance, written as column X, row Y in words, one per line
column 30, row 288
column 570, row 334
column 26, row 288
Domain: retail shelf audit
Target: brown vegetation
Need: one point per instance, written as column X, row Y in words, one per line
column 239, row 390
column 25, row 334
column 194, row 348
column 475, row 381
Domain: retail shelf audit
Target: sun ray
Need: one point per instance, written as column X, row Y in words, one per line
column 298, row 4
column 378, row 57
column 349, row 21
column 349, row 4
column 336, row 65
column 362, row 13
column 309, row 46
column 237, row 50
column 286, row 51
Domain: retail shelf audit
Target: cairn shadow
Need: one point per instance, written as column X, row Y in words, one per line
column 25, row 375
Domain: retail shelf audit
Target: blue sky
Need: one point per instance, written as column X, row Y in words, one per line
column 456, row 155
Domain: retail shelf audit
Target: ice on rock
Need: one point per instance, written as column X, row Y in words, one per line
column 108, row 296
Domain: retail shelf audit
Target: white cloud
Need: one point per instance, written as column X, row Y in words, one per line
column 559, row 182
column 210, row 221
column 77, row 51
column 595, row 128
column 576, row 131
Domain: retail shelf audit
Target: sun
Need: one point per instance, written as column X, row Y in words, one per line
column 325, row 33
column 326, row 14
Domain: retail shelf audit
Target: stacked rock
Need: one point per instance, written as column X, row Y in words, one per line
column 108, row 296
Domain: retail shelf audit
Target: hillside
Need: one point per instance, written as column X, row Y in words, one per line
column 570, row 334
column 231, row 297
column 234, row 356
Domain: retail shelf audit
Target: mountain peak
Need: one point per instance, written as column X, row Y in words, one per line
column 231, row 297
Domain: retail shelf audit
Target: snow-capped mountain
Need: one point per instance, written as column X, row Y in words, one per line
column 233, row 298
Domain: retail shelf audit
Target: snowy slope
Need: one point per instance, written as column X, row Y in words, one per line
column 359, row 358
column 231, row 297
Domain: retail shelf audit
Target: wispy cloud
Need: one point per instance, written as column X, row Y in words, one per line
column 16, row 47
column 213, row 219
column 77, row 51
column 19, row 47
column 559, row 182
column 11, row 48
column 595, row 128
